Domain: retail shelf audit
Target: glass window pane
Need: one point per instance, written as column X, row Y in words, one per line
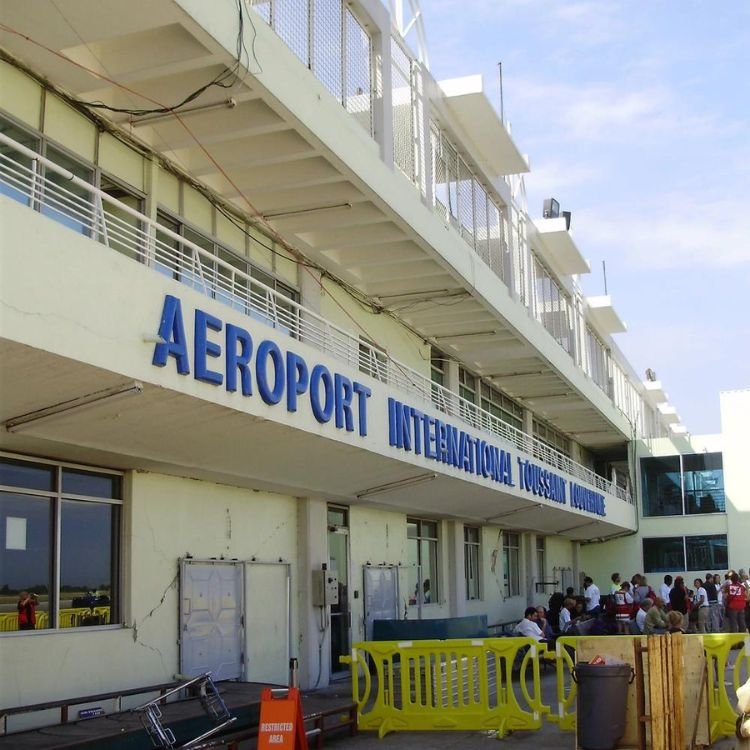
column 17, row 169
column 662, row 490
column 707, row 552
column 65, row 202
column 663, row 554
column 27, row 475
column 76, row 482
column 26, row 525
column 88, row 542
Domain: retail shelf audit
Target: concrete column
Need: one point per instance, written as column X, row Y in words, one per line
column 313, row 640
column 529, row 546
column 455, row 583
column 379, row 26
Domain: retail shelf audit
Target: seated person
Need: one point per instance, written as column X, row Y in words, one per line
column 566, row 614
column 656, row 618
column 544, row 624
column 674, row 619
column 640, row 617
column 529, row 626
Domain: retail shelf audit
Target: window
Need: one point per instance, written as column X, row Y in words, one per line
column 467, row 390
column 438, row 367
column 18, row 171
column 373, row 360
column 696, row 553
column 597, row 354
column 471, row 562
column 223, row 274
column 75, row 579
column 551, row 306
column 501, row 406
column 551, row 437
column 511, row 564
column 124, row 232
column 422, row 551
column 541, row 558
column 683, row 485
column 64, row 201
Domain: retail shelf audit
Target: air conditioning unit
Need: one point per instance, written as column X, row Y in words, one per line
column 566, row 216
column 650, row 375
column 551, row 209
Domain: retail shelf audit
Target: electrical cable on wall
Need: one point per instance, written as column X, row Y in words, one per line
column 256, row 217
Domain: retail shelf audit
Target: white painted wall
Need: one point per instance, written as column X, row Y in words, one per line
column 735, row 418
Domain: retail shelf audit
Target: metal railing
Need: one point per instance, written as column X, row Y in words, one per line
column 85, row 209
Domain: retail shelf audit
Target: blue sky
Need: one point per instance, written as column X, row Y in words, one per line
column 635, row 116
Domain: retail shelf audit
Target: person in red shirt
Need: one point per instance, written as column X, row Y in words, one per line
column 27, row 604
column 735, row 596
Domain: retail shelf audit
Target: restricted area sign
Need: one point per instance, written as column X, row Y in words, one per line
column 281, row 724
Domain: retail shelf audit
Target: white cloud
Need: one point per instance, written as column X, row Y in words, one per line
column 674, row 231
column 553, row 175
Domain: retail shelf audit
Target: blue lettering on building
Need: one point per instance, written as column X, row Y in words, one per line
column 412, row 430
column 226, row 355
column 541, row 482
column 585, row 499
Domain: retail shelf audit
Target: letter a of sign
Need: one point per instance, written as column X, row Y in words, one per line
column 281, row 723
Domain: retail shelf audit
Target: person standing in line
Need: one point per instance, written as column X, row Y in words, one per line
column 678, row 600
column 666, row 587
column 736, row 596
column 713, row 604
column 700, row 602
column 720, row 599
column 615, row 587
column 623, row 608
column 592, row 596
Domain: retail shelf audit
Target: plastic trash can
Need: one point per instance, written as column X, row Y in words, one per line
column 602, row 704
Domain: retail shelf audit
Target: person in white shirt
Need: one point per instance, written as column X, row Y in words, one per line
column 700, row 602
column 640, row 617
column 592, row 596
column 665, row 588
column 565, row 617
column 528, row 627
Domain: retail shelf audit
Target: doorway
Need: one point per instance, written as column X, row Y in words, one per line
column 211, row 604
column 338, row 557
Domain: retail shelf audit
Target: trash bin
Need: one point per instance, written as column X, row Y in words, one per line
column 602, row 704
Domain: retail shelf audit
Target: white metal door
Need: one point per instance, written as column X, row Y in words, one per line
column 268, row 587
column 211, row 603
column 381, row 595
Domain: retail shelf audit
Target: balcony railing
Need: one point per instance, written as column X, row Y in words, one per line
column 35, row 181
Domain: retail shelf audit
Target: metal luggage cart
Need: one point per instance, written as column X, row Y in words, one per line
column 211, row 701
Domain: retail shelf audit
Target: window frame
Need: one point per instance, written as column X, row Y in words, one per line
column 684, row 564
column 653, row 498
column 511, row 564
column 433, row 545
column 472, row 562
column 57, row 498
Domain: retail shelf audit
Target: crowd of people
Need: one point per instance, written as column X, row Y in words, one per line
column 712, row 605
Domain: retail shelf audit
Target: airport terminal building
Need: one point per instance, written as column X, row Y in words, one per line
column 283, row 351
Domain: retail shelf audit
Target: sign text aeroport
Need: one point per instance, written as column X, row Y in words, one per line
column 224, row 354
column 241, row 361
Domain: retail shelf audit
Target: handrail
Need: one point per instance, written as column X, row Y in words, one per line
column 183, row 260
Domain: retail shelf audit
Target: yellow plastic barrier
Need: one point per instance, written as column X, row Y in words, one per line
column 728, row 660
column 457, row 684
column 69, row 618
column 565, row 653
